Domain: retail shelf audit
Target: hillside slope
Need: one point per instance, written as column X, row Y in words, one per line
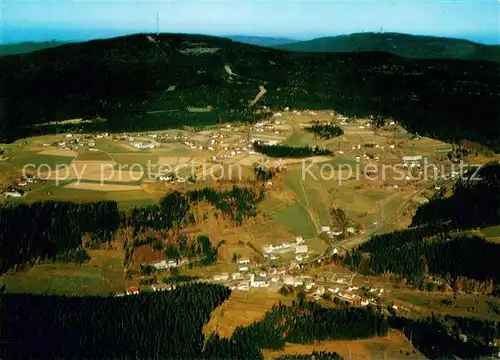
column 27, row 47
column 146, row 82
column 261, row 40
column 412, row 46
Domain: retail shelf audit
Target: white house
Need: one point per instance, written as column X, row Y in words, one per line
column 298, row 258
column 298, row 282
column 351, row 230
column 299, row 240
column 244, row 261
column 258, row 281
column 132, row 291
column 243, row 287
column 320, row 290
column 236, row 276
column 412, row 160
column 301, row 249
column 364, row 302
column 165, row 264
column 15, row 194
column 325, row 229
column 289, row 280
column 242, row 268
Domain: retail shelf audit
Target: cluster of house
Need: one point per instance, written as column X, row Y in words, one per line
column 18, row 189
column 145, row 144
column 169, row 263
column 135, row 290
column 299, row 247
column 350, row 230
column 74, row 142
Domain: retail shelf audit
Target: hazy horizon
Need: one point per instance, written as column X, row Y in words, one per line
column 66, row 20
column 40, row 34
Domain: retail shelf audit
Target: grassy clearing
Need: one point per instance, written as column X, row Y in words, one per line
column 86, row 155
column 300, row 138
column 317, row 203
column 293, row 181
column 242, row 309
column 341, row 161
column 374, row 195
column 272, row 205
column 102, row 275
column 61, row 193
column 389, row 347
column 492, row 231
column 427, row 303
column 32, row 157
column 296, row 219
column 128, row 204
column 133, row 158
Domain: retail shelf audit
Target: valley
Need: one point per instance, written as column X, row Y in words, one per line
column 360, row 177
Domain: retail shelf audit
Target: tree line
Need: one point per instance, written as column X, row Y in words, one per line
column 322, row 355
column 475, row 202
column 325, row 132
column 46, row 230
column 285, row 151
column 238, row 203
column 165, row 325
column 308, row 321
column 168, row 325
column 449, row 337
column 467, row 257
column 60, row 231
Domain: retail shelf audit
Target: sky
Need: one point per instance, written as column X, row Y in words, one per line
column 38, row 20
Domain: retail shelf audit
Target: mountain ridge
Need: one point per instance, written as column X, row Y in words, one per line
column 126, row 78
column 406, row 45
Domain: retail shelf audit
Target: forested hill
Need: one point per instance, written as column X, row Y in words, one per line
column 261, row 40
column 26, row 47
column 147, row 82
column 412, row 46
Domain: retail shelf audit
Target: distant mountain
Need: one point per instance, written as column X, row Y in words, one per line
column 410, row 46
column 261, row 40
column 149, row 82
column 26, row 47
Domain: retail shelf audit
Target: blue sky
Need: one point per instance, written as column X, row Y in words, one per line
column 64, row 20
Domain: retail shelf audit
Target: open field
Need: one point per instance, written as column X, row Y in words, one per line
column 394, row 346
column 426, row 303
column 91, row 192
column 492, row 233
column 38, row 158
column 102, row 187
column 142, row 158
column 102, row 275
column 86, row 155
column 297, row 220
column 242, row 309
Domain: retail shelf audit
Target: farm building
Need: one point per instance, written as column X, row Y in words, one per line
column 244, row 261
column 242, row 268
column 301, row 249
column 165, row 264
column 410, row 160
column 15, row 194
column 132, row 291
column 258, row 281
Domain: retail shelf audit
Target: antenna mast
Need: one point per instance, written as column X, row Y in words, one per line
column 157, row 23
